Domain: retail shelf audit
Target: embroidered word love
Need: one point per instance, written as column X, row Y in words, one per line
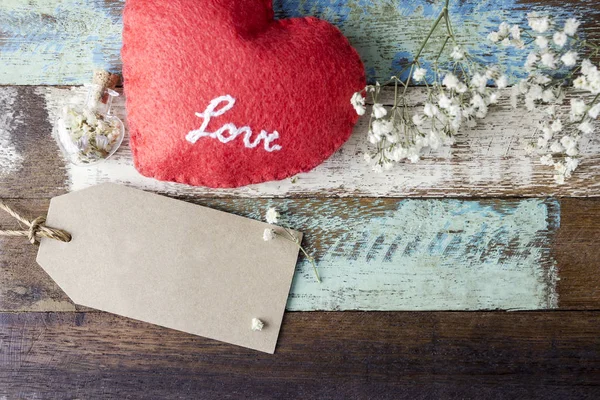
column 232, row 130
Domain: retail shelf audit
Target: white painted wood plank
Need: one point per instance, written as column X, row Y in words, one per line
column 486, row 161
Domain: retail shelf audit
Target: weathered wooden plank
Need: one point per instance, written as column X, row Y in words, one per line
column 376, row 254
column 486, row 161
column 537, row 355
column 30, row 163
column 577, row 253
column 61, row 41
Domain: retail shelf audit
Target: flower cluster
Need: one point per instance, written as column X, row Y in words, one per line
column 272, row 217
column 552, row 65
column 87, row 134
column 459, row 94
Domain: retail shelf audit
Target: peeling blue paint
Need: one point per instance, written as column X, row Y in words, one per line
column 432, row 255
column 62, row 41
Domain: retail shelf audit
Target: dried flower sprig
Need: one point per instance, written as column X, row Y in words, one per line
column 88, row 134
column 553, row 65
column 272, row 217
column 458, row 96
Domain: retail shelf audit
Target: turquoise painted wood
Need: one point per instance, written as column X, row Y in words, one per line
column 62, row 41
column 389, row 254
column 432, row 255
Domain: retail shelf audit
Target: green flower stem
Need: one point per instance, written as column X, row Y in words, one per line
column 437, row 58
column 443, row 14
column 294, row 239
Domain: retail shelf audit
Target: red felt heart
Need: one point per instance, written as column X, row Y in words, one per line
column 220, row 94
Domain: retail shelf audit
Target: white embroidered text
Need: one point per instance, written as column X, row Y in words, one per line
column 229, row 131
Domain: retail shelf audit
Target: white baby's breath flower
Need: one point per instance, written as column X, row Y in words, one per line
column 268, row 234
column 578, row 107
column 379, row 110
column 546, row 160
column 586, row 127
column 569, row 58
column 586, row 67
column 538, row 23
column 548, row 96
column 444, row 102
column 572, row 151
column 430, row 110
column 382, row 127
column 479, row 82
column 271, row 215
column 419, row 74
column 502, row 82
column 457, row 53
column 559, row 167
column 532, row 59
column 535, row 92
column 515, row 32
column 556, row 147
column 542, row 79
column 367, row 157
column 494, row 37
column 541, row 42
column 450, row 81
column 594, row 111
column 358, row 102
column 413, row 155
column 556, row 126
column 568, row 142
column 434, row 140
column 417, row 120
column 493, row 99
column 560, row 38
column 571, row 163
column 571, row 26
column 548, row 60
column 257, row 324
column 529, row 103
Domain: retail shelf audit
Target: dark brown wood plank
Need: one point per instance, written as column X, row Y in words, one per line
column 577, row 254
column 351, row 355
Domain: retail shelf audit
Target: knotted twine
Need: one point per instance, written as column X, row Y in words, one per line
column 36, row 227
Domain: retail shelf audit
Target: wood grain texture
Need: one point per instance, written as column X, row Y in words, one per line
column 320, row 355
column 577, row 254
column 352, row 244
column 62, row 41
column 487, row 161
column 372, row 254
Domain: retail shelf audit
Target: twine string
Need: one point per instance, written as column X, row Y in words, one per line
column 36, row 228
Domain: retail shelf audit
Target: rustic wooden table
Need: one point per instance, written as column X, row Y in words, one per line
column 441, row 249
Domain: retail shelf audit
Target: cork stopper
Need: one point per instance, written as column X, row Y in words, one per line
column 103, row 80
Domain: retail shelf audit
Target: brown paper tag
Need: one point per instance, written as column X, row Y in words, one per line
column 170, row 263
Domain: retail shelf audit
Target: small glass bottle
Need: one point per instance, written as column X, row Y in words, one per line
column 90, row 133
